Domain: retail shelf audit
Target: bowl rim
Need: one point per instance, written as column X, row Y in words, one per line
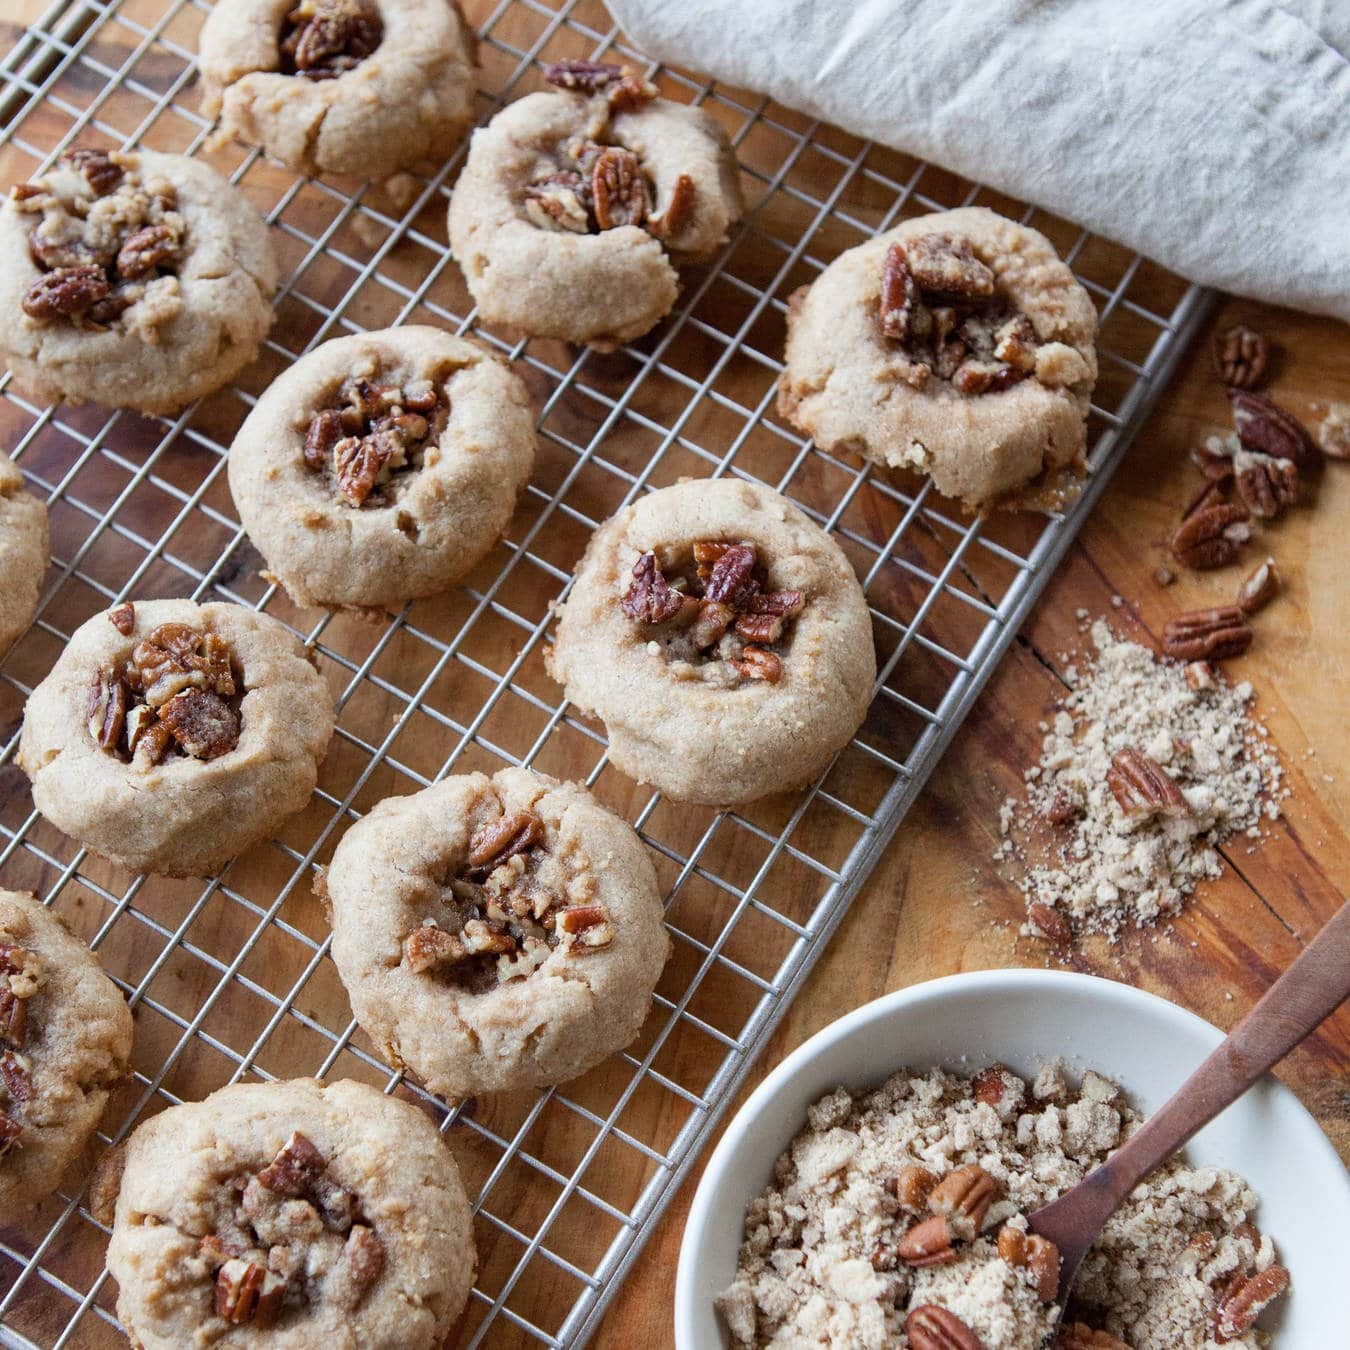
column 699, row 1218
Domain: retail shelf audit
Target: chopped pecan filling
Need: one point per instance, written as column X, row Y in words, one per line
column 587, row 185
column 175, row 695
column 715, row 608
column 22, row 974
column 501, row 916
column 373, row 433
column 104, row 239
column 322, row 39
column 291, row 1235
column 941, row 307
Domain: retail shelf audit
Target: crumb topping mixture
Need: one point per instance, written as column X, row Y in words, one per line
column 106, row 239
column 941, row 310
column 176, row 695
column 22, row 974
column 510, row 904
column 713, row 606
column 896, row 1217
column 288, row 1236
column 588, row 184
column 322, row 39
column 372, row 435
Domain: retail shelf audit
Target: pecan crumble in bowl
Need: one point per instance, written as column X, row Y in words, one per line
column 135, row 279
column 23, row 553
column 957, row 345
column 171, row 736
column 360, row 87
column 496, row 933
column 289, row 1214
column 721, row 637
column 575, row 206
column 892, row 1214
column 65, row 1036
column 382, row 467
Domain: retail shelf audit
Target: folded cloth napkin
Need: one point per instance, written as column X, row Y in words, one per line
column 1210, row 135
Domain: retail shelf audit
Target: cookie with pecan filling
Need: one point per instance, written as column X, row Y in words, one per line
column 496, row 933
column 136, row 280
column 171, row 736
column 65, row 1035
column 291, row 1214
column 575, row 206
column 23, row 553
column 362, row 87
column 723, row 640
column 382, row 467
column 957, row 345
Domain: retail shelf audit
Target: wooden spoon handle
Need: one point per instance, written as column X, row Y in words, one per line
column 1297, row 1003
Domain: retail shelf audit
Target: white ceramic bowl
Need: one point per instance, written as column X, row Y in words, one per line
column 1024, row 1017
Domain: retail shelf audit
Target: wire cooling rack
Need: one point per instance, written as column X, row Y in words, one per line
column 229, row 978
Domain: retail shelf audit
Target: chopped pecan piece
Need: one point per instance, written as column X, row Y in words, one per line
column 963, row 1197
column 296, row 1169
column 202, row 723
column 1200, row 676
column 107, row 712
column 1209, row 538
column 1212, row 492
column 988, row 1085
column 1142, row 787
column 65, row 292
column 123, row 618
column 324, row 432
column 912, row 1185
column 1259, row 589
column 248, row 1292
column 754, row 663
column 650, row 598
column 10, row 1133
column 1080, row 1336
column 1207, row 634
column 361, row 1264
column 1267, row 485
column 1245, row 1299
column 557, row 203
column 1214, row 459
column 732, row 581
column 618, row 189
column 929, row 1327
column 98, row 169
column 358, row 464
column 146, row 250
column 176, row 656
column 215, row 1250
column 327, row 38
column 928, row 1243
column 15, row 1077
column 501, row 839
column 1049, row 922
column 947, row 264
column 1264, row 428
column 13, row 1019
column 1334, row 433
column 625, row 89
column 1034, row 1253
column 767, row 614
column 1241, row 356
column 151, row 745
column 986, row 377
column 899, row 295
column 588, row 925
column 678, row 209
column 66, row 249
column 1062, row 809
column 710, row 622
column 429, row 948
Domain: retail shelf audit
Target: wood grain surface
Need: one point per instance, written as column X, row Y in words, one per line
column 237, row 962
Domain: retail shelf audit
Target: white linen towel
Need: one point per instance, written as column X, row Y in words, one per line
column 1210, row 135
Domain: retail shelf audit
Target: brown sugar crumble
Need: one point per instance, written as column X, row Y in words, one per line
column 896, row 1219
column 1147, row 766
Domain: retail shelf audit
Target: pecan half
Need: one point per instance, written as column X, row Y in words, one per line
column 359, row 462
column 1208, row 538
column 123, row 618
column 1241, row 356
column 1245, row 1299
column 1207, row 634
column 947, row 264
column 928, row 1243
column 912, row 1186
column 146, row 250
column 899, row 295
column 296, row 1170
column 1142, row 787
column 1080, row 1336
column 430, row 948
column 929, row 1327
column 66, row 292
column 1267, row 485
column 99, row 171
column 618, row 189
column 497, row 841
column 202, row 723
column 678, row 209
column 1265, row 428
column 107, row 711
column 248, row 1292
column 732, row 580
column 649, row 597
column 754, row 663
column 963, row 1197
column 1032, row 1252
column 1259, row 589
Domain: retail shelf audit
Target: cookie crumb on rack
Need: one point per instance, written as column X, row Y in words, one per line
column 1143, row 774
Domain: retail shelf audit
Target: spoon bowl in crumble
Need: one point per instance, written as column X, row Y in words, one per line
column 1290, row 1186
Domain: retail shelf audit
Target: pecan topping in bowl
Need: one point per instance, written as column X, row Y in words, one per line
column 715, row 608
column 103, row 239
column 290, row 1234
column 941, row 307
column 500, row 917
column 322, row 39
column 373, row 433
column 175, row 695
column 22, row 974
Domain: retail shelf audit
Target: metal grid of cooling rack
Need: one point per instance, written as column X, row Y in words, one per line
column 228, row 977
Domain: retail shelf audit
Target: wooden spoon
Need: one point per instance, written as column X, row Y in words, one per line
column 1292, row 1008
